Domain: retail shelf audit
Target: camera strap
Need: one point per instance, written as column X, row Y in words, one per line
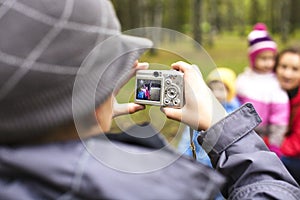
column 192, row 144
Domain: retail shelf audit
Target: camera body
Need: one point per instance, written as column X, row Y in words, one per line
column 160, row 88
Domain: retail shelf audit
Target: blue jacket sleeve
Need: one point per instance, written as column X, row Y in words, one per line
column 238, row 153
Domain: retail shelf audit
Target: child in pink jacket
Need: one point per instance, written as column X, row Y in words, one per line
column 259, row 85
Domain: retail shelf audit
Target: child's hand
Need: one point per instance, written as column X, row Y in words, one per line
column 201, row 108
column 136, row 66
column 129, row 108
column 125, row 108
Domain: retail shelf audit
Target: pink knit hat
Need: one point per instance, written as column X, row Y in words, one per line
column 259, row 40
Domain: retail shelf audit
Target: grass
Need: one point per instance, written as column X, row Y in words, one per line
column 229, row 51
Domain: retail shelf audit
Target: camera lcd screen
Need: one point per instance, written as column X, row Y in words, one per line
column 148, row 90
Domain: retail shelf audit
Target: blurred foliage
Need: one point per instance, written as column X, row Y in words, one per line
column 281, row 16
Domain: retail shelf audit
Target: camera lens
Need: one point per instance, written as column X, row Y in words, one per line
column 155, row 74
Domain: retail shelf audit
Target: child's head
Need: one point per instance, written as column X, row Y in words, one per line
column 262, row 49
column 59, row 75
column 222, row 83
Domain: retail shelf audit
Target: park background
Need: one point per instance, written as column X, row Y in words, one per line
column 220, row 26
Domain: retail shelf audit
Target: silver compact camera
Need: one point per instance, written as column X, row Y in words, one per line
column 160, row 88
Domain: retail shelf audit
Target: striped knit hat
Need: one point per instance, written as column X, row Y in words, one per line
column 46, row 47
column 259, row 40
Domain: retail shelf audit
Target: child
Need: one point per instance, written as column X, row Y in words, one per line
column 259, row 85
column 52, row 147
column 221, row 81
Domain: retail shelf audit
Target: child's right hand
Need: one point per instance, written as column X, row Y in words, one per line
column 201, row 109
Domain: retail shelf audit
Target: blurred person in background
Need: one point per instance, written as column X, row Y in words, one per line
column 288, row 72
column 259, row 85
column 221, row 81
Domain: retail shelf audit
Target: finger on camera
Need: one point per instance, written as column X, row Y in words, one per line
column 133, row 107
column 187, row 68
column 142, row 66
column 181, row 66
column 172, row 113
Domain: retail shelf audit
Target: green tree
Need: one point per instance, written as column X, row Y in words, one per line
column 294, row 15
column 254, row 12
column 197, row 8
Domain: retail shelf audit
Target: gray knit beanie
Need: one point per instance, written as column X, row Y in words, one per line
column 43, row 44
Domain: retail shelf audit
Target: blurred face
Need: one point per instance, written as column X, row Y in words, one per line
column 265, row 61
column 288, row 71
column 219, row 90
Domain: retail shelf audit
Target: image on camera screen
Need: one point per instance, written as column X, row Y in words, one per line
column 148, row 90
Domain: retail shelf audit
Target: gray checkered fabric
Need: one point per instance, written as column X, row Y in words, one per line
column 44, row 46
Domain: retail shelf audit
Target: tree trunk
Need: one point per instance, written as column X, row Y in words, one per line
column 213, row 23
column 197, row 21
column 157, row 22
column 285, row 20
column 295, row 15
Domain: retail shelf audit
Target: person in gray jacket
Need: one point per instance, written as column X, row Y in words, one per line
column 61, row 64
